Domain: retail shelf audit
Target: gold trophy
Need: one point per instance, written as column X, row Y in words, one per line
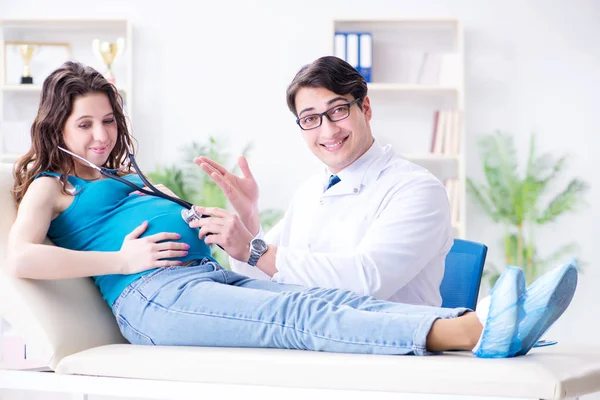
column 108, row 52
column 26, row 51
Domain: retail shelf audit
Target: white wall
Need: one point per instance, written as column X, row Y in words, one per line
column 531, row 66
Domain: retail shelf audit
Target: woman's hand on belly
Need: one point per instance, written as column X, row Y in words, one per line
column 141, row 254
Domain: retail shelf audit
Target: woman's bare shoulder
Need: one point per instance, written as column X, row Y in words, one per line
column 46, row 190
column 44, row 183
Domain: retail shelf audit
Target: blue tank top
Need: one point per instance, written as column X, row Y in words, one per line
column 103, row 213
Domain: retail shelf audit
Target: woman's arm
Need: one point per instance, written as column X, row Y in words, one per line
column 28, row 257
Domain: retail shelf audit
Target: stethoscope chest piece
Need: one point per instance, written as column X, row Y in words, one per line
column 190, row 215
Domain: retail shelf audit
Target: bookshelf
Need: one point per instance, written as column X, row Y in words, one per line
column 418, row 70
column 400, row 87
column 55, row 41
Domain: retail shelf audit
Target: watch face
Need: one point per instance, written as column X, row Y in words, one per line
column 259, row 245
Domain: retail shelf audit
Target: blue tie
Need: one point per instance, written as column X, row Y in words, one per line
column 333, row 179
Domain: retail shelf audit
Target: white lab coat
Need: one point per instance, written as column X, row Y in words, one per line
column 384, row 230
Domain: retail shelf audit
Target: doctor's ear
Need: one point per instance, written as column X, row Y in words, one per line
column 366, row 108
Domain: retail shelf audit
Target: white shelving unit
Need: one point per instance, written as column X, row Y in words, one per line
column 19, row 102
column 377, row 87
column 411, row 79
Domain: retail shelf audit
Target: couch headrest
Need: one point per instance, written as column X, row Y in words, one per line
column 59, row 317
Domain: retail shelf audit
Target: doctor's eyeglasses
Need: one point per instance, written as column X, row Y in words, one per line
column 334, row 114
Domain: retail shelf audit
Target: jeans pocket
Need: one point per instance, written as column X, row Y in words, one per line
column 131, row 334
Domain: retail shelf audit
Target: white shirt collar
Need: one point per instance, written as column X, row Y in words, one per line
column 362, row 171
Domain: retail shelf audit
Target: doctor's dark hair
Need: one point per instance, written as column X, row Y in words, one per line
column 59, row 91
column 331, row 73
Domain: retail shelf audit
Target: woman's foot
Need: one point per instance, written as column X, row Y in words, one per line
column 544, row 302
column 499, row 338
column 536, row 309
column 517, row 317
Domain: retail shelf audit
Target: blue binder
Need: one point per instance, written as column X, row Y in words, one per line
column 356, row 48
column 365, row 55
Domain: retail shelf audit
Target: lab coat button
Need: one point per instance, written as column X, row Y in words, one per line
column 355, row 190
column 321, row 202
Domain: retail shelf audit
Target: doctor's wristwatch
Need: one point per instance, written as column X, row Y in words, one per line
column 258, row 247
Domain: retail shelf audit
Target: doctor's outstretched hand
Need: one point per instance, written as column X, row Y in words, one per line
column 241, row 191
column 225, row 229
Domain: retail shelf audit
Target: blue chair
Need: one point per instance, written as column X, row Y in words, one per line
column 462, row 278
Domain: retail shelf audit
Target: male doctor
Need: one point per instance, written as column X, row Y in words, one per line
column 370, row 221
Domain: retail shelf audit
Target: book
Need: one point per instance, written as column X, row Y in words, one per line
column 445, row 139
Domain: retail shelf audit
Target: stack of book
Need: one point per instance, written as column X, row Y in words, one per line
column 446, row 142
column 446, row 133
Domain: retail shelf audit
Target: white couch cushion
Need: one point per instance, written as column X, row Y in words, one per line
column 57, row 318
column 546, row 373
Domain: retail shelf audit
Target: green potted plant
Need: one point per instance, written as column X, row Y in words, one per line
column 189, row 182
column 517, row 200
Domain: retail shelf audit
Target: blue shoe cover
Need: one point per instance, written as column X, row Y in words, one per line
column 544, row 302
column 499, row 336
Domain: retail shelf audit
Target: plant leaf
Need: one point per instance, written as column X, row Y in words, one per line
column 563, row 202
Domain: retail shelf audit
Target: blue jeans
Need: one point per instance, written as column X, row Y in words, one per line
column 206, row 305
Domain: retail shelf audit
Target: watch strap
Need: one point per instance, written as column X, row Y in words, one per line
column 253, row 258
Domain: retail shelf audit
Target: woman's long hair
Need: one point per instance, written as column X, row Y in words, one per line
column 59, row 91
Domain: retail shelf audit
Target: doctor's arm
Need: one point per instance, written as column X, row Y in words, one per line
column 273, row 237
column 406, row 234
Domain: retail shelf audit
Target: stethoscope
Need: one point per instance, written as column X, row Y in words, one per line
column 188, row 214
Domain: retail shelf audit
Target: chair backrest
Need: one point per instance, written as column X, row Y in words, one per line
column 462, row 277
column 55, row 317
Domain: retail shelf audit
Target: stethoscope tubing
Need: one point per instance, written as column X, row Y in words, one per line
column 153, row 191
